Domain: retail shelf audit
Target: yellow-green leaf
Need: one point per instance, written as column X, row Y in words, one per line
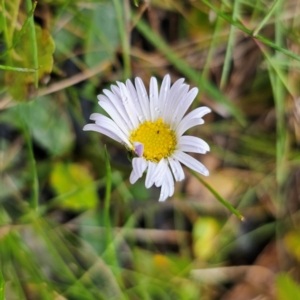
column 73, row 184
column 292, row 243
column 204, row 233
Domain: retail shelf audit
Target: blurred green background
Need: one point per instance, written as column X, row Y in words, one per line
column 72, row 226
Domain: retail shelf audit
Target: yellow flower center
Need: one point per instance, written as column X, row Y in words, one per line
column 158, row 139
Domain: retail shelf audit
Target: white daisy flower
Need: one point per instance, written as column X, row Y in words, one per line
column 153, row 127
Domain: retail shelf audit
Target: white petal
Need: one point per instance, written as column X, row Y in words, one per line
column 181, row 94
column 186, row 124
column 164, row 89
column 160, row 171
column 128, row 104
column 191, row 162
column 143, row 97
column 109, row 124
column 170, row 182
column 198, row 112
column 172, row 95
column 105, row 131
column 114, row 114
column 176, row 169
column 135, row 99
column 184, row 104
column 139, row 165
column 164, row 192
column 191, row 148
column 117, row 103
column 192, row 144
column 192, row 119
column 116, row 91
column 153, row 98
column 149, row 177
column 167, row 188
column 133, row 177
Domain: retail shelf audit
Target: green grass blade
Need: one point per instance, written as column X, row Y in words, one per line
column 214, row 40
column 244, row 29
column 188, row 71
column 218, row 196
column 229, row 50
column 57, row 247
column 4, row 22
column 273, row 64
column 279, row 98
column 265, row 19
column 123, row 19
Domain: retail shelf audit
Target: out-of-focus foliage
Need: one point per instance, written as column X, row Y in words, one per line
column 287, row 288
column 62, row 237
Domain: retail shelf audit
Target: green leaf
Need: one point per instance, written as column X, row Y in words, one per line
column 205, row 231
column 292, row 243
column 103, row 36
column 47, row 122
column 22, row 85
column 73, row 183
column 20, row 33
column 287, row 288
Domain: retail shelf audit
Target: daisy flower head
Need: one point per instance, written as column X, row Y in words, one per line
column 152, row 127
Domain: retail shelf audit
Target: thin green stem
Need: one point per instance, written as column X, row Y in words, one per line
column 107, row 223
column 35, row 186
column 8, row 68
column 218, row 196
column 2, row 286
column 108, row 189
column 33, row 42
